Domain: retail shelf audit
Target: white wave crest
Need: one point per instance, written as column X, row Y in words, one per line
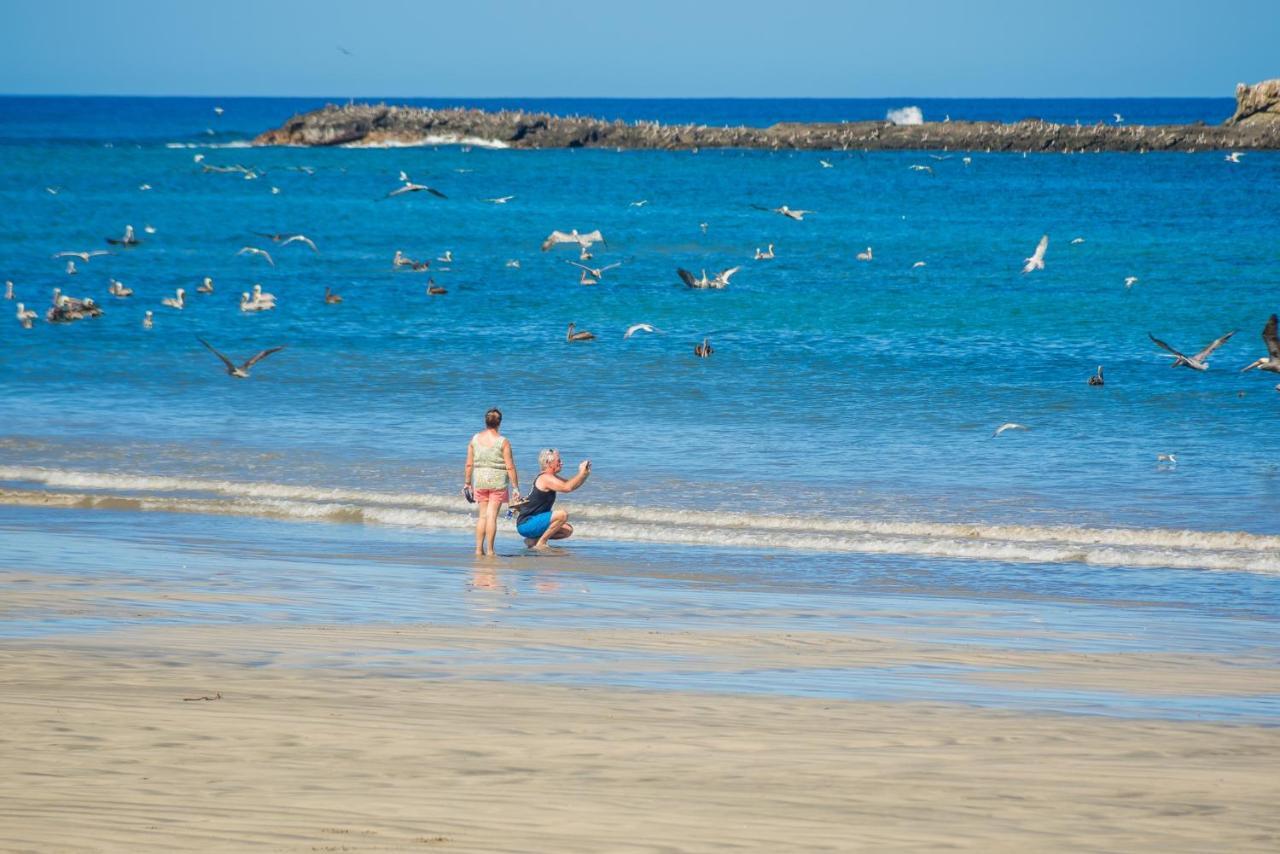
column 1134, row 547
column 430, row 139
column 235, row 143
column 905, row 116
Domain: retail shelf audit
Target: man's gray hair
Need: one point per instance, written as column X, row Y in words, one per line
column 545, row 456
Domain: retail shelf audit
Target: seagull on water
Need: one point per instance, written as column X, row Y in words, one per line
column 253, row 250
column 639, row 327
column 1008, row 425
column 513, row 263
column 797, row 215
column 639, row 204
column 1198, row 361
column 1271, row 361
column 1076, row 241
column 767, row 255
column 716, row 282
column 241, row 371
column 1036, row 261
column 25, row 316
column 918, row 264
column 410, row 187
column 582, row 335
column 218, row 110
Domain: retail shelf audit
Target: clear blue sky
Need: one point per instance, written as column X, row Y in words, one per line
column 642, row 48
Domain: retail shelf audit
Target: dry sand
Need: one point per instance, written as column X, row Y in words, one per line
column 430, row 738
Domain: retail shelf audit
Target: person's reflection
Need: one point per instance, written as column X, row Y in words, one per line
column 485, row 578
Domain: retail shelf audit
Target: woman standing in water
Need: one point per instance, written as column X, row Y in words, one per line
column 489, row 472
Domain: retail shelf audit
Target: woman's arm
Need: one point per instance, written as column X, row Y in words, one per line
column 511, row 465
column 471, row 460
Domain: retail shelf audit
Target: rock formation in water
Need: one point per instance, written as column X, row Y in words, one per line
column 1254, row 126
column 1258, row 104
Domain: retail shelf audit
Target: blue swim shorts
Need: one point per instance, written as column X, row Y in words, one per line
column 535, row 526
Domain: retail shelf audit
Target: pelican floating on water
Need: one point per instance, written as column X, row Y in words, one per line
column 178, row 300
column 118, row 290
column 767, row 255
column 865, row 255
column 330, row 298
column 126, row 239
column 1096, row 379
column 147, row 321
column 25, row 316
column 1199, row 360
column 1271, row 361
column 582, row 335
column 205, row 287
column 704, row 349
column 435, row 290
column 247, row 303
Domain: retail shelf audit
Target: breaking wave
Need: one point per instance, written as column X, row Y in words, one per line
column 905, row 116
column 1132, row 547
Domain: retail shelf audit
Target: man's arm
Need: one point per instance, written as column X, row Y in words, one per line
column 555, row 484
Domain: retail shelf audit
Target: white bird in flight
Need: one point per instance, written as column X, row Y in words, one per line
column 501, row 200
column 584, row 241
column 253, row 250
column 83, row 256
column 1118, row 118
column 1036, row 261
column 1008, row 425
column 639, row 327
column 1198, row 361
column 1130, row 281
column 797, row 215
column 716, row 282
column 1234, row 157
column 825, row 164
column 596, row 272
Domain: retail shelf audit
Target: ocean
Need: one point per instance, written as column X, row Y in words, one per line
column 848, row 408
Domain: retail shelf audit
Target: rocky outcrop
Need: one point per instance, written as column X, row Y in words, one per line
column 366, row 124
column 1258, row 104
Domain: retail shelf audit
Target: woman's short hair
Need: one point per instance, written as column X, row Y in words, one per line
column 545, row 456
column 493, row 418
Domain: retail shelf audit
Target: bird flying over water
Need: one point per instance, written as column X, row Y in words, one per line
column 716, row 282
column 83, row 256
column 253, row 250
column 639, row 327
column 1036, row 261
column 1198, row 361
column 596, row 272
column 584, row 241
column 240, row 371
column 409, row 186
column 1234, row 157
column 501, row 200
column 797, row 215
column 1008, row 425
column 1130, row 281
column 1271, row 361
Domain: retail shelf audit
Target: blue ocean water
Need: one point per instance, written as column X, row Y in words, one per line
column 849, row 406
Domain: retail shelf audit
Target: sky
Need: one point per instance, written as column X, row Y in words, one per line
column 639, row 48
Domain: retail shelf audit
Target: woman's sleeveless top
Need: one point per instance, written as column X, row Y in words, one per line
column 489, row 466
column 539, row 501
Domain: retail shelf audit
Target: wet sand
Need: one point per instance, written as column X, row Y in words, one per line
column 373, row 738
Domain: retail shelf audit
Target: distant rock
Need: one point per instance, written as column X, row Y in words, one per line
column 1253, row 127
column 1258, row 104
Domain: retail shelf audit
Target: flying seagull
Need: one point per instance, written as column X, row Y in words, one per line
column 584, row 241
column 1271, row 361
column 409, row 187
column 596, row 272
column 797, row 215
column 240, row 372
column 1234, row 157
column 83, row 256
column 717, row 282
column 1198, row 360
column 253, row 250
column 1130, row 281
column 501, row 200
column 639, row 327
column 1008, row 425
column 1036, row 261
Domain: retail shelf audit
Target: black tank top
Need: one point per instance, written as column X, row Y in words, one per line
column 540, row 501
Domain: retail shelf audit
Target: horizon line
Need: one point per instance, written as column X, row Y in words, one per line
column 636, row 97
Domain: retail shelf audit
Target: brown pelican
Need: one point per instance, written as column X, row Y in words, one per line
column 118, row 290
column 579, row 336
column 720, row 280
column 66, row 309
column 447, row 257
column 253, row 250
column 865, row 255
column 1036, row 261
column 585, row 279
column 241, row 371
column 25, row 316
column 147, row 322
column 766, row 255
column 1271, row 361
column 178, row 300
column 1096, row 379
column 330, row 298
column 259, row 295
column 704, row 349
column 797, row 215
column 205, row 287
column 1198, row 360
column 584, row 241
column 435, row 290
column 71, row 268
column 247, row 303
column 127, row 239
column 410, row 187
column 8, row 289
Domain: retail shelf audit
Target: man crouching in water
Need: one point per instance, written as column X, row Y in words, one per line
column 538, row 522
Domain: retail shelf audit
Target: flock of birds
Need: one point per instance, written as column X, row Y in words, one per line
column 66, row 309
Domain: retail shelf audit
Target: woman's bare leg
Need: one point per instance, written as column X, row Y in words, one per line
column 558, row 519
column 491, row 523
column 482, row 508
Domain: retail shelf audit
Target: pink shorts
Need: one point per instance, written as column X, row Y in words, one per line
column 498, row 495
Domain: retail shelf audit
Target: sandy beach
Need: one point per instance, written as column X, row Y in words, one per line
column 327, row 738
